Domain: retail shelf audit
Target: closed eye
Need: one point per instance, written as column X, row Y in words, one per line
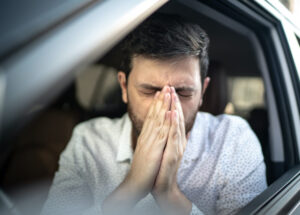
column 152, row 93
column 149, row 92
column 186, row 96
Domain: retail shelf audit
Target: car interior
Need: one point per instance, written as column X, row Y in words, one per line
column 240, row 85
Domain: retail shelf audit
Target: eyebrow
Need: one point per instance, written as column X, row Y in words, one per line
column 177, row 89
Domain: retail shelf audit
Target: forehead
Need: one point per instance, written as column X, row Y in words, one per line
column 183, row 71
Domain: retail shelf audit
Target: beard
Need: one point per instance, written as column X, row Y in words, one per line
column 137, row 123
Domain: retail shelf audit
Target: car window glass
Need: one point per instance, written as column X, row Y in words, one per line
column 95, row 85
column 293, row 6
column 96, row 93
column 245, row 94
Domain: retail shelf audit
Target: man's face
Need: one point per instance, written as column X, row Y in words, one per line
column 149, row 76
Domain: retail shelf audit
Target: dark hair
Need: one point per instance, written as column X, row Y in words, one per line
column 165, row 37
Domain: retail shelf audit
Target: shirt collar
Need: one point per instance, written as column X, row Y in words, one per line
column 125, row 151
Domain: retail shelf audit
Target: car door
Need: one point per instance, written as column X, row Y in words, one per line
column 85, row 32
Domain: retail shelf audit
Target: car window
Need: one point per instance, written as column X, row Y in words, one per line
column 293, row 6
column 246, row 94
column 94, row 85
column 95, row 92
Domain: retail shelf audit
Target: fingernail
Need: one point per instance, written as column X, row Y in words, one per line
column 168, row 90
column 156, row 94
column 164, row 89
column 172, row 89
column 167, row 96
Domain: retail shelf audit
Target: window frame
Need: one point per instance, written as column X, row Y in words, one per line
column 272, row 37
column 59, row 54
column 269, row 32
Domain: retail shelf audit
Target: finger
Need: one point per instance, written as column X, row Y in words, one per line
column 181, row 125
column 149, row 132
column 174, row 135
column 181, row 117
column 158, row 116
column 173, row 104
column 179, row 141
column 176, row 105
column 161, row 138
column 167, row 101
column 169, row 162
column 161, row 100
column 161, row 108
column 150, row 115
column 152, row 106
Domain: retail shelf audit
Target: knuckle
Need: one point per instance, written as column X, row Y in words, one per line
column 159, row 123
column 162, row 135
column 156, row 130
column 175, row 135
column 172, row 160
column 149, row 117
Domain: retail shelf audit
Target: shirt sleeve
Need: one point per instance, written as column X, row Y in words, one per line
column 69, row 193
column 243, row 176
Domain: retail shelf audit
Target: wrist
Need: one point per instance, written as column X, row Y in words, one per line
column 125, row 197
column 173, row 201
column 132, row 190
column 165, row 191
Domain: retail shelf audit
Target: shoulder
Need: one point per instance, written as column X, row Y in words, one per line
column 230, row 122
column 234, row 141
column 101, row 127
column 95, row 136
column 221, row 129
column 228, row 134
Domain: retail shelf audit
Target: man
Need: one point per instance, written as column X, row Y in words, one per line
column 163, row 156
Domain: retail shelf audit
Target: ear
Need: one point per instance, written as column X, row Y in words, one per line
column 204, row 87
column 123, row 84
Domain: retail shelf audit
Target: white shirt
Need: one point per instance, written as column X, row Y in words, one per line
column 222, row 168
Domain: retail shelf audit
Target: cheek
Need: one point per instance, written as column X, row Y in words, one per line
column 144, row 106
column 140, row 105
column 189, row 107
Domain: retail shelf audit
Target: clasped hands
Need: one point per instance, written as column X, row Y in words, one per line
column 156, row 159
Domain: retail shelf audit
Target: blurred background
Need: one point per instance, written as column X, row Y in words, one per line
column 293, row 6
